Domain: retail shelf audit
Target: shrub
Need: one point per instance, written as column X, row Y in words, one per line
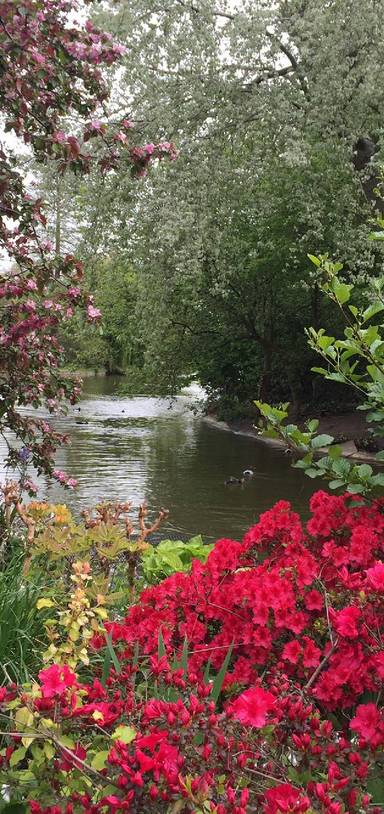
column 251, row 684
column 305, row 601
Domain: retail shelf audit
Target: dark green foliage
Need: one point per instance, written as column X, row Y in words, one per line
column 21, row 629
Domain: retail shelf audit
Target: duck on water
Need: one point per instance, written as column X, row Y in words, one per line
column 247, row 475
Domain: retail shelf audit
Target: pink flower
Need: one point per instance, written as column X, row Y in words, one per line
column 59, row 475
column 93, row 313
column 60, row 137
column 252, row 706
column 96, row 124
column 31, row 285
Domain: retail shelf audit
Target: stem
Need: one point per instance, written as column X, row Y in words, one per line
column 321, row 665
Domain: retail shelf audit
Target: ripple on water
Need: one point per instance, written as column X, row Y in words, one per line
column 159, row 450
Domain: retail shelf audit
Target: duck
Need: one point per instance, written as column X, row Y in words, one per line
column 231, row 481
column 248, row 473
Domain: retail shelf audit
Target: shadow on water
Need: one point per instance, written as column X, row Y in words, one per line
column 155, row 449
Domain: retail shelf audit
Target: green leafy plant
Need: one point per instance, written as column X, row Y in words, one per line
column 22, row 635
column 357, row 360
column 169, row 556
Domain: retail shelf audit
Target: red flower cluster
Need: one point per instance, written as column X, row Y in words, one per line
column 268, row 751
column 308, row 602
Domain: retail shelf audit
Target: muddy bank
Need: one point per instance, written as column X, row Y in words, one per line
column 349, row 430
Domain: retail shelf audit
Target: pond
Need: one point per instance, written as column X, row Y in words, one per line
column 165, row 452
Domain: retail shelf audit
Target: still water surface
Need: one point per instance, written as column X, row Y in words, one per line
column 165, row 452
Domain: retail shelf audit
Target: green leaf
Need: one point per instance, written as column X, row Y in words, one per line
column 355, row 488
column 321, row 441
column 364, row 471
column 184, row 658
column 334, row 451
column 376, row 236
column 17, row 756
column 336, row 484
column 219, row 679
column 315, row 260
column 341, row 466
column 312, row 473
column 342, row 291
column 313, row 424
column 161, row 651
column 375, row 787
column 100, row 760
column 377, row 480
column 126, row 734
column 112, row 653
column 106, row 667
column 207, row 671
column 372, row 310
column 324, row 341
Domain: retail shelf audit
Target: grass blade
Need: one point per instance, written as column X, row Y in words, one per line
column 112, row 653
column 184, row 657
column 106, row 667
column 207, row 671
column 161, row 651
column 219, row 680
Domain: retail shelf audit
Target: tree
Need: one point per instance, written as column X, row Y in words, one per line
column 50, row 68
column 267, row 103
column 117, row 346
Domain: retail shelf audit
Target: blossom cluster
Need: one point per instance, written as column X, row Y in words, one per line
column 306, row 601
column 252, row 683
column 170, row 748
column 51, row 69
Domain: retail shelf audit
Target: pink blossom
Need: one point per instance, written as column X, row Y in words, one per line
column 31, row 284
column 93, row 313
column 59, row 137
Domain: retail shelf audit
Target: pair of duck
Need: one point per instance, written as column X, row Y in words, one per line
column 247, row 475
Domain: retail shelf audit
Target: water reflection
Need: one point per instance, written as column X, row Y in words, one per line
column 141, row 447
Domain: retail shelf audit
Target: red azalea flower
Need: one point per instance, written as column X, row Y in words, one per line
column 252, row 706
column 345, row 621
column 367, row 721
column 284, row 798
column 55, row 680
column 375, row 576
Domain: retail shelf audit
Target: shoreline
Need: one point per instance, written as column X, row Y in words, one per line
column 349, row 449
